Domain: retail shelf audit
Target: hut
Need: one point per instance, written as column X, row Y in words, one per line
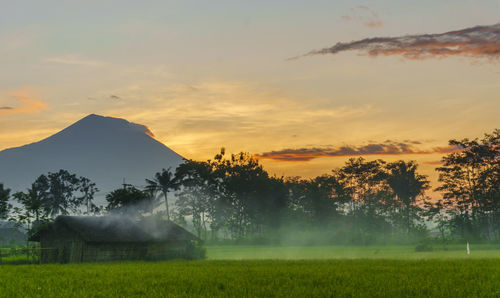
column 76, row 239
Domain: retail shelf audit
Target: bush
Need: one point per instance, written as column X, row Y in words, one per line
column 195, row 251
column 424, row 245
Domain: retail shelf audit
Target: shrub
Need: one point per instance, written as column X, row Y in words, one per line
column 195, row 251
column 424, row 245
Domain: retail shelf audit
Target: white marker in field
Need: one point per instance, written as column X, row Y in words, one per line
column 468, row 248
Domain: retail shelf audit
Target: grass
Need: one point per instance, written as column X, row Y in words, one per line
column 262, row 278
column 15, row 260
column 255, row 271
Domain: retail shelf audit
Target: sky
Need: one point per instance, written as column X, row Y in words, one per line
column 303, row 85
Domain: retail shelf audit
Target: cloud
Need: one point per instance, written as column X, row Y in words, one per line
column 28, row 103
column 202, row 116
column 367, row 16
column 386, row 148
column 109, row 98
column 476, row 42
column 74, row 60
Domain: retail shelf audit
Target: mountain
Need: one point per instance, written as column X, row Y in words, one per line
column 104, row 149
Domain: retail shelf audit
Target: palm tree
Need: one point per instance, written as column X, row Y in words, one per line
column 407, row 184
column 163, row 182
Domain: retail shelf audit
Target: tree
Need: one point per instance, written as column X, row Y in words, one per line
column 469, row 181
column 407, row 184
column 129, row 200
column 32, row 212
column 57, row 191
column 253, row 200
column 32, row 201
column 163, row 181
column 370, row 197
column 194, row 197
column 319, row 199
column 436, row 212
column 88, row 190
column 244, row 180
column 365, row 183
column 4, row 202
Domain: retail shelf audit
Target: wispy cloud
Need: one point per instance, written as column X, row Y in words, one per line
column 27, row 103
column 230, row 113
column 108, row 98
column 74, row 60
column 386, row 148
column 478, row 42
column 367, row 16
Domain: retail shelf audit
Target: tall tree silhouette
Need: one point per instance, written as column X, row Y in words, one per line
column 129, row 200
column 88, row 190
column 470, row 185
column 370, row 197
column 407, row 184
column 59, row 199
column 4, row 202
column 197, row 197
column 163, row 182
column 32, row 200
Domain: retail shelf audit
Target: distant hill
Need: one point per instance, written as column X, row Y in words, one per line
column 103, row 149
column 11, row 235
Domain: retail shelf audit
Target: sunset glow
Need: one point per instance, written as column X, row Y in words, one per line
column 385, row 79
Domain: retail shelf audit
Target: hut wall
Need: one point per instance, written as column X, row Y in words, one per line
column 104, row 252
column 62, row 246
column 165, row 250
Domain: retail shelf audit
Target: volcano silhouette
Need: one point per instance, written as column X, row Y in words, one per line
column 104, row 149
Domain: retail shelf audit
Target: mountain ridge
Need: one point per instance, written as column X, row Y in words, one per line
column 104, row 149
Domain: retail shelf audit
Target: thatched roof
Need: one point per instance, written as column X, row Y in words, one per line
column 116, row 229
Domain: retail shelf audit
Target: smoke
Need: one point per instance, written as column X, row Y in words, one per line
column 123, row 227
column 475, row 42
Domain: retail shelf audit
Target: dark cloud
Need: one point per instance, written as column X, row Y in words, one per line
column 6, row 108
column 112, row 96
column 480, row 41
column 386, row 148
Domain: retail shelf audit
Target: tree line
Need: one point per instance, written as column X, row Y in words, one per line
column 234, row 197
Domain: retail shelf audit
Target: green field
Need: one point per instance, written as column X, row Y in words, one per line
column 348, row 252
column 344, row 271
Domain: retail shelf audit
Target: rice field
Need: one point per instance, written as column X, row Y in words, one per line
column 349, row 252
column 264, row 272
